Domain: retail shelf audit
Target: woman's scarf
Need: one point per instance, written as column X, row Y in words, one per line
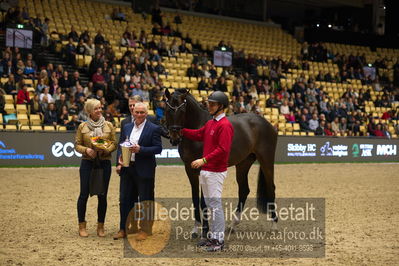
column 96, row 126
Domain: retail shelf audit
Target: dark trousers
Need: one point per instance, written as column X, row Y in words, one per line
column 133, row 188
column 84, row 171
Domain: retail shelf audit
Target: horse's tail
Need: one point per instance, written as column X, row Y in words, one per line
column 265, row 194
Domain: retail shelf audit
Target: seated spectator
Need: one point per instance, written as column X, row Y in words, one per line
column 335, row 125
column 29, row 70
column 378, row 131
column 10, row 87
column 65, row 82
column 73, row 35
column 328, row 130
column 321, row 129
column 70, row 52
column 90, row 48
column 291, row 117
column 23, row 95
column 2, row 102
column 314, row 122
column 50, row 116
column 99, row 39
column 303, row 123
column 183, row 47
column 125, row 42
column 98, row 79
column 35, row 106
column 272, row 102
column 202, row 85
column 45, row 93
column 63, row 118
column 81, row 48
column 156, row 29
column 113, row 109
column 386, row 132
column 284, row 109
column 73, row 124
column 59, row 104
column 85, row 36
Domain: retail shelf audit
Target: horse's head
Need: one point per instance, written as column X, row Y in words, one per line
column 175, row 114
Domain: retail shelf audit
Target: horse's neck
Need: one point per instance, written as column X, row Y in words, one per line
column 196, row 116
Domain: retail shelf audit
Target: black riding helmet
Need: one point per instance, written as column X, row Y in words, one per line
column 219, row 97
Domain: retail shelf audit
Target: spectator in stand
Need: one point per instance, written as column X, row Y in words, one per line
column 343, row 125
column 63, row 118
column 371, row 127
column 328, row 130
column 73, row 35
column 335, row 125
column 23, row 95
column 65, row 82
column 313, row 122
column 73, row 124
column 50, row 116
column 59, row 104
column 90, row 48
column 303, row 123
column 386, row 132
column 272, row 102
column 321, row 129
column 284, row 109
column 29, row 70
column 45, row 93
column 10, row 87
column 35, row 106
column 70, row 52
column 99, row 39
column 378, row 131
column 98, row 79
column 81, row 48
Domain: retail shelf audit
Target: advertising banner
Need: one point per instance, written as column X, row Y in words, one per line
column 57, row 149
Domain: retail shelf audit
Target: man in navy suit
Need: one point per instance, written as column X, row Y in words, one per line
column 138, row 180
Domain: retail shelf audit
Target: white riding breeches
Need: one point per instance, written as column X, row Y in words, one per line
column 212, row 186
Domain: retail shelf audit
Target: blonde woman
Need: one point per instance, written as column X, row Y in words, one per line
column 95, row 126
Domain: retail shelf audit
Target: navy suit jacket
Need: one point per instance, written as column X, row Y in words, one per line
column 150, row 144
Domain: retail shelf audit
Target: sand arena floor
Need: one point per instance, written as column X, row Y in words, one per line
column 39, row 224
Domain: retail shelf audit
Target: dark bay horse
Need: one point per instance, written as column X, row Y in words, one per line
column 254, row 139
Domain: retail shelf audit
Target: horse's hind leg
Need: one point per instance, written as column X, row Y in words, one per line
column 242, row 170
column 266, row 187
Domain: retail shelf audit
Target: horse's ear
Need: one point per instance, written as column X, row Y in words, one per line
column 167, row 94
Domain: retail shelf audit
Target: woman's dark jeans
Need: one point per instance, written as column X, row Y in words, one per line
column 84, row 171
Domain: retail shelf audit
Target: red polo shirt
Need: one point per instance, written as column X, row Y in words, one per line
column 217, row 135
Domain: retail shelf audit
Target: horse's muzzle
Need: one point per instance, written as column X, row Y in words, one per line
column 175, row 135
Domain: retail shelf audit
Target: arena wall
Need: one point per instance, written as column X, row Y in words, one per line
column 40, row 149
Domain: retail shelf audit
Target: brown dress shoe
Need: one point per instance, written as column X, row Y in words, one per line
column 141, row 235
column 119, row 235
column 82, row 230
column 100, row 230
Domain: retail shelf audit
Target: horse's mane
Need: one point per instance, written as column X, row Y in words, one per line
column 190, row 98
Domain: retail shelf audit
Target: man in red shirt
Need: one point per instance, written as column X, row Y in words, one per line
column 217, row 135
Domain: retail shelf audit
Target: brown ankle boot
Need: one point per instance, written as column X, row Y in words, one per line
column 82, row 230
column 100, row 230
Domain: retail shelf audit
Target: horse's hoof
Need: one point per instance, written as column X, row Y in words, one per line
column 194, row 235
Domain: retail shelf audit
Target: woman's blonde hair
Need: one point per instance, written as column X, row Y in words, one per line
column 90, row 105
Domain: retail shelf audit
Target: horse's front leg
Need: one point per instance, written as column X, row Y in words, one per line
column 193, row 176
